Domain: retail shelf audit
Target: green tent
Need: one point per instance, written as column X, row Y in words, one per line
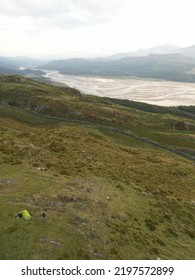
column 25, row 214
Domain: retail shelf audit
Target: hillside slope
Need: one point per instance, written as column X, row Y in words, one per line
column 91, row 165
column 173, row 67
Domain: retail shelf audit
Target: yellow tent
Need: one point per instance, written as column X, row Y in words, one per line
column 25, row 214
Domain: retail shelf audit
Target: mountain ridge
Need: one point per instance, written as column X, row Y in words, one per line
column 174, row 67
column 162, row 62
column 161, row 49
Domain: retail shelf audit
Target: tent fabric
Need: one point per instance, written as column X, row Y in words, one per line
column 25, row 214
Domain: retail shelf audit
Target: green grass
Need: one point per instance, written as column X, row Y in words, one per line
column 106, row 195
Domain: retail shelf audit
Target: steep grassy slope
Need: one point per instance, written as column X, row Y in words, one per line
column 107, row 194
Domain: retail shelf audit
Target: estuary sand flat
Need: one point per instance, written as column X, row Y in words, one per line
column 159, row 92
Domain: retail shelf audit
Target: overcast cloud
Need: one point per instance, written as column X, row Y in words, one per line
column 64, row 28
column 72, row 11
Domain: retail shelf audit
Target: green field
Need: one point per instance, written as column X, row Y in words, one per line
column 116, row 180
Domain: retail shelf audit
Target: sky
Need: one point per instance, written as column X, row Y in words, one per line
column 91, row 28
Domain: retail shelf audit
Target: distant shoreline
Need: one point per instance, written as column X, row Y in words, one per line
column 157, row 92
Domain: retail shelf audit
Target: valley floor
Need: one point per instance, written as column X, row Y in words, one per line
column 158, row 92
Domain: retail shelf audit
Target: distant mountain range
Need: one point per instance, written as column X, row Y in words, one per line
column 162, row 62
column 174, row 67
column 18, row 65
column 189, row 51
column 163, row 49
column 7, row 71
column 19, row 62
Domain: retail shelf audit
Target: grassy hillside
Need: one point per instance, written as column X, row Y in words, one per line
column 91, row 164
